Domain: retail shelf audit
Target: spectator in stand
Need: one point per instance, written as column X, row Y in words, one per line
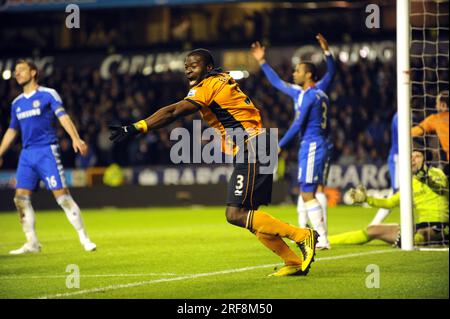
column 92, row 100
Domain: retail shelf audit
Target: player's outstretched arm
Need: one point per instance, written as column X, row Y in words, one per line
column 426, row 126
column 359, row 195
column 389, row 203
column 417, row 131
column 77, row 143
column 7, row 141
column 325, row 82
column 258, row 53
column 161, row 118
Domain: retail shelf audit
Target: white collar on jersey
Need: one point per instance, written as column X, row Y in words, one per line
column 29, row 94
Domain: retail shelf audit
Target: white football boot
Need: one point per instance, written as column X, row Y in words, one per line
column 89, row 246
column 26, row 249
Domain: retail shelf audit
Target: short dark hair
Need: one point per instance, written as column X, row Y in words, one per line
column 443, row 97
column 204, row 54
column 310, row 67
column 30, row 64
column 419, row 144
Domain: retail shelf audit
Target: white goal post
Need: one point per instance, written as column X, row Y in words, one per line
column 404, row 123
column 422, row 77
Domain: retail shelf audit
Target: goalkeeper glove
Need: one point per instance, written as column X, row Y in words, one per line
column 121, row 133
column 358, row 195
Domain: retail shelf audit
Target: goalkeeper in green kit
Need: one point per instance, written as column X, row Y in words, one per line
column 430, row 207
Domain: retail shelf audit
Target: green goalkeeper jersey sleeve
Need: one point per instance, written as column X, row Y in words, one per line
column 430, row 202
column 389, row 202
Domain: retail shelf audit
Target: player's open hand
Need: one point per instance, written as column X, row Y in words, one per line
column 358, row 194
column 258, row 51
column 322, row 41
column 80, row 146
column 122, row 133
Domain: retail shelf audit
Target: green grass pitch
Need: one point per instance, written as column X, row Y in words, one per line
column 185, row 253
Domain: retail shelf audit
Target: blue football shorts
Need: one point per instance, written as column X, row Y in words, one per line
column 40, row 163
column 312, row 159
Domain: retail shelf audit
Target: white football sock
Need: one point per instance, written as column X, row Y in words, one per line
column 315, row 216
column 301, row 212
column 322, row 198
column 73, row 214
column 28, row 220
column 381, row 215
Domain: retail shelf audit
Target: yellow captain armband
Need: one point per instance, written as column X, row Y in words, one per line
column 141, row 126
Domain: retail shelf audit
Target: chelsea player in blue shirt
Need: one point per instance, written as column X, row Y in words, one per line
column 382, row 213
column 311, row 107
column 33, row 114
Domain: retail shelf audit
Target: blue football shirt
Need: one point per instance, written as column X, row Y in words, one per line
column 34, row 115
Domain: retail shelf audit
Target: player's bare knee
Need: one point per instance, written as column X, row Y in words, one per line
column 236, row 215
column 232, row 214
column 60, row 192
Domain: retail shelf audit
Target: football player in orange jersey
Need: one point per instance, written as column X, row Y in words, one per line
column 225, row 107
column 437, row 123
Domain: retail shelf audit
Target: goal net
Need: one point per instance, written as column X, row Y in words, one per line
column 429, row 60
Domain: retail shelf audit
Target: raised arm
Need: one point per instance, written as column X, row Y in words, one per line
column 161, row 118
column 324, row 83
column 258, row 53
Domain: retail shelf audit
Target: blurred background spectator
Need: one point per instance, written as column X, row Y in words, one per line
column 362, row 95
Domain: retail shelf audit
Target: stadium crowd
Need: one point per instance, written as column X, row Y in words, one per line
column 362, row 94
column 362, row 104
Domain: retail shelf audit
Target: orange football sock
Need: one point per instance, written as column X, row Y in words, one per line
column 279, row 247
column 266, row 224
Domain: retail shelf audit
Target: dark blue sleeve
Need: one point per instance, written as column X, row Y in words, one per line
column 324, row 83
column 394, row 130
column 281, row 85
column 298, row 123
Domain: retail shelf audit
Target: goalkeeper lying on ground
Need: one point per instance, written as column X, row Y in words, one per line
column 430, row 207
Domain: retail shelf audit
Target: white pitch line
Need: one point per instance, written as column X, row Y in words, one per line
column 89, row 276
column 193, row 276
column 432, row 249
